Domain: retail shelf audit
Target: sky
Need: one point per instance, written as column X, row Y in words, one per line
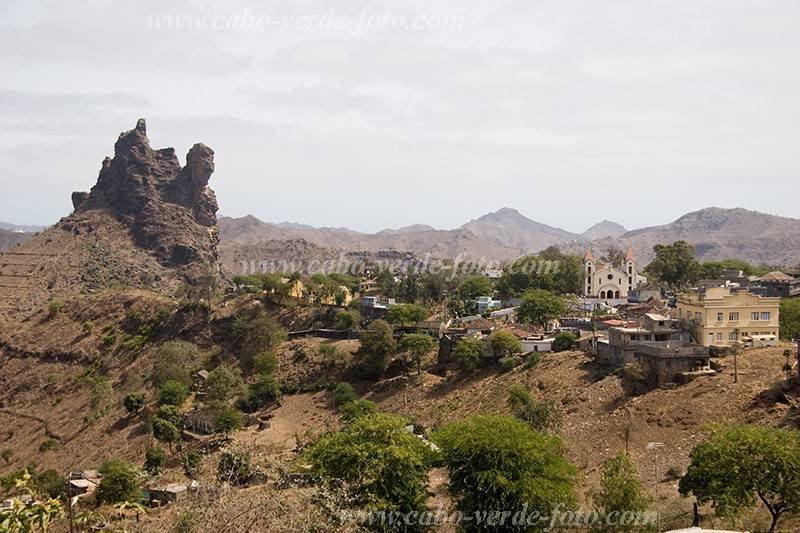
column 371, row 115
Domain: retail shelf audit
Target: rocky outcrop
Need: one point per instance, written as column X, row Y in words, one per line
column 168, row 209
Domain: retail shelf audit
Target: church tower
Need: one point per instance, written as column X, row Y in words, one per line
column 630, row 269
column 588, row 273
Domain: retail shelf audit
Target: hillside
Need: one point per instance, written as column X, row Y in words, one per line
column 507, row 227
column 9, row 238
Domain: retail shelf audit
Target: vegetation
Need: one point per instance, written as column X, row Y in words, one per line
column 518, row 395
column 167, row 425
column 498, row 462
column 542, row 415
column 347, row 319
column 120, row 483
column 406, row 314
column 474, row 286
column 621, row 492
column 192, row 464
column 154, row 459
column 552, row 271
column 379, row 465
column 133, row 402
column 53, row 308
column 264, row 391
column 175, row 358
column 228, row 420
column 234, row 467
column 564, row 341
column 28, row 517
column 467, row 353
column 220, row 385
column 357, row 409
column 790, row 318
column 540, row 306
column 266, row 363
column 172, row 393
column 504, row 343
column 674, row 264
column 344, row 394
column 377, row 345
column 767, row 465
column 7, row 454
column 418, row 345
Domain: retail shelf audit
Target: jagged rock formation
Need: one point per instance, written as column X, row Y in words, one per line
column 148, row 222
column 169, row 210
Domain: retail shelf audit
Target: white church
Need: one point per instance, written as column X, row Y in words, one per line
column 609, row 283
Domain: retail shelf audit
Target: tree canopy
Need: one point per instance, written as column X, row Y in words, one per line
column 468, row 352
column 406, row 314
column 621, row 491
column 474, row 286
column 380, row 465
column 504, row 343
column 417, row 345
column 674, row 264
column 790, row 318
column 377, row 345
column 498, row 462
column 737, row 463
column 120, row 483
column 539, row 306
column 551, row 270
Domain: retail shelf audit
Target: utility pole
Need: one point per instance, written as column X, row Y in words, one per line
column 654, row 447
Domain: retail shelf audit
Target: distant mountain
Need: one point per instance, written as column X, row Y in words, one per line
column 507, row 227
column 408, row 229
column 603, row 229
column 294, row 225
column 9, row 239
column 17, row 227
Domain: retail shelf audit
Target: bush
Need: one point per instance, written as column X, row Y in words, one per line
column 120, row 483
column 54, row 307
column 48, row 445
column 234, row 467
column 172, row 393
column 344, row 394
column 87, row 327
column 518, row 396
column 7, row 454
column 154, row 460
column 468, row 354
column 220, row 384
column 266, row 363
column 134, row 402
column 228, row 420
column 509, row 363
column 335, row 356
column 174, row 361
column 533, row 359
column 543, row 416
column 357, row 408
column 265, row 390
column 192, row 464
column 564, row 341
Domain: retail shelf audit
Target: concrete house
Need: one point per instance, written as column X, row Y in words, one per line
column 609, row 283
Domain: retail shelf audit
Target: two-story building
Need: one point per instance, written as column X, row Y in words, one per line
column 720, row 316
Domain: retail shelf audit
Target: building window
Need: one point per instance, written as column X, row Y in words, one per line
column 765, row 315
column 719, row 337
column 719, row 317
column 732, row 336
column 733, row 317
column 754, row 316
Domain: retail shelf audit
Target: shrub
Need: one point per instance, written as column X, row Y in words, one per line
column 335, row 356
column 564, row 341
column 172, row 393
column 265, row 390
column 228, row 420
column 102, row 395
column 468, row 353
column 344, row 394
column 234, row 467
column 87, row 327
column 518, row 396
column 154, row 460
column 48, row 445
column 120, row 483
column 543, row 416
column 509, row 363
column 533, row 359
column 174, row 361
column 356, row 409
column 7, row 454
column 54, row 307
column 220, row 384
column 192, row 464
column 266, row 363
column 133, row 402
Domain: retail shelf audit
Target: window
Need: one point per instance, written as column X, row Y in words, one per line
column 719, row 317
column 765, row 315
column 733, row 317
column 753, row 316
column 719, row 337
column 732, row 336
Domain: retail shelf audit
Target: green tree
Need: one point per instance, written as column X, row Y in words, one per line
column 172, row 393
column 418, row 345
column 174, row 360
column 518, row 396
column 347, row 319
column 468, row 353
column 736, row 463
column 540, row 306
column 220, row 385
column 551, row 270
column 380, row 465
column 266, row 363
column 620, row 491
column 377, row 345
column 564, row 341
column 133, row 402
column 789, row 318
column 171, row 414
column 154, row 460
column 27, row 517
column 165, row 431
column 192, row 464
column 498, row 462
column 674, row 264
column 474, row 286
column 263, row 391
column 228, row 420
column 356, row 409
column 120, row 483
column 406, row 314
column 504, row 343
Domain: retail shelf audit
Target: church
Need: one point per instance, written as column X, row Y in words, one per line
column 606, row 282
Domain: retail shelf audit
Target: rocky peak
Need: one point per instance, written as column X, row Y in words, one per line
column 168, row 209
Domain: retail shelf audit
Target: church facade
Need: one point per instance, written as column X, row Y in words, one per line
column 607, row 282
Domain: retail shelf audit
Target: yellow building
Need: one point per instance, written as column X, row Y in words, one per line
column 606, row 282
column 721, row 317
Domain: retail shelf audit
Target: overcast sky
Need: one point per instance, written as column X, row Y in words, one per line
column 382, row 114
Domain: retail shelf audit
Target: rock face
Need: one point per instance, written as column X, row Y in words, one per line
column 168, row 209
